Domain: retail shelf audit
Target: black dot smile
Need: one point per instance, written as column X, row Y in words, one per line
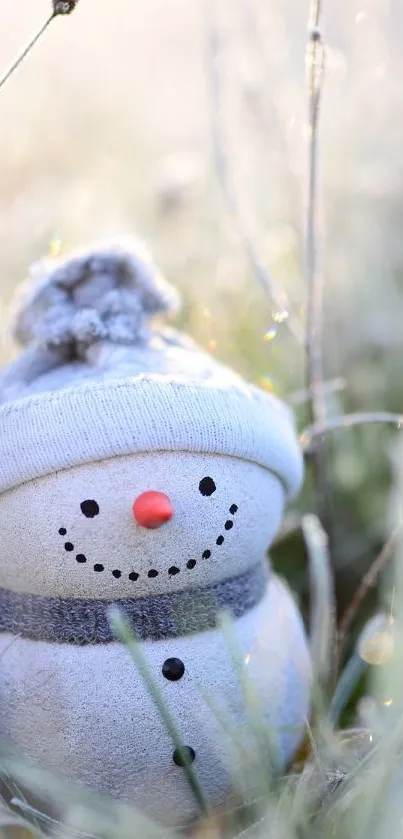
column 90, row 509
column 227, row 526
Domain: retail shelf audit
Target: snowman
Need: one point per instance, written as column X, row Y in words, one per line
column 138, row 472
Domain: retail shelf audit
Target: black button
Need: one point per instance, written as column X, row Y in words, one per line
column 173, row 669
column 184, row 756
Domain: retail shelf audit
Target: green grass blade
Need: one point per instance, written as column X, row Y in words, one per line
column 123, row 631
column 351, row 675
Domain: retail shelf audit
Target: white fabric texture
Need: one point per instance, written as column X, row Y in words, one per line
column 42, row 434
column 97, row 380
column 86, row 713
column 35, row 559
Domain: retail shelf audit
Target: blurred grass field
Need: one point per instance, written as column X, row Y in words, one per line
column 106, row 128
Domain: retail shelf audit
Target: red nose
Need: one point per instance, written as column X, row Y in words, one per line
column 152, row 509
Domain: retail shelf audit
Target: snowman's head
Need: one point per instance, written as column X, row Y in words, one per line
column 130, row 460
column 137, row 524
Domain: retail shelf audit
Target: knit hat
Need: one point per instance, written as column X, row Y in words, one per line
column 96, row 379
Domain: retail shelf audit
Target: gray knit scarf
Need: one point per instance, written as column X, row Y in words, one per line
column 84, row 621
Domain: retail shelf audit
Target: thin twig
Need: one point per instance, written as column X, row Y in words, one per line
column 60, row 7
column 313, row 269
column 298, row 397
column 309, row 435
column 221, row 158
column 26, row 50
column 367, row 582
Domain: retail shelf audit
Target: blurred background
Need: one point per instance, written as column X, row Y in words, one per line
column 108, row 127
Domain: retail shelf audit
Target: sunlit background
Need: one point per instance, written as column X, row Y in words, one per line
column 109, row 127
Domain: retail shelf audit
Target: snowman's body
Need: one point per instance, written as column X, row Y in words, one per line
column 84, row 710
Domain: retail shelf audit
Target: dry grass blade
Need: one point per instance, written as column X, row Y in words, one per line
column 322, row 599
column 367, row 582
column 308, row 438
column 313, row 269
column 299, row 397
column 262, row 736
column 314, row 275
column 99, row 815
column 47, row 823
column 15, row 827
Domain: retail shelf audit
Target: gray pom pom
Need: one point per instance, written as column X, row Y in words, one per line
column 105, row 292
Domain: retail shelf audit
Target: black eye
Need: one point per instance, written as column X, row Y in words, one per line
column 207, row 486
column 89, row 508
